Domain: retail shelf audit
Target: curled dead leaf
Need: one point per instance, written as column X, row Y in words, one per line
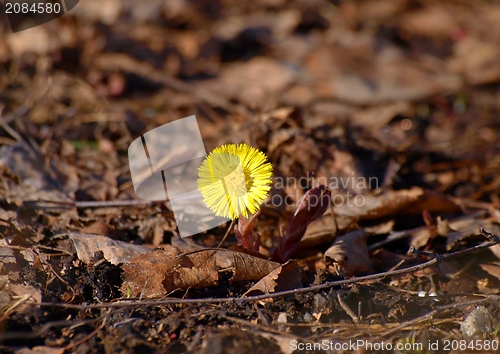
column 349, row 254
column 164, row 270
column 114, row 251
column 286, row 277
column 405, row 201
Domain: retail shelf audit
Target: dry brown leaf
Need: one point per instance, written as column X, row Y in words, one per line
column 495, row 249
column 165, row 270
column 433, row 202
column 4, row 292
column 38, row 41
column 279, row 23
column 17, row 297
column 283, row 342
column 373, row 118
column 432, row 21
column 459, row 229
column 41, row 350
column 92, row 187
column 254, row 83
column 477, row 60
column 107, row 12
column 144, row 275
column 321, row 230
column 156, row 273
column 367, row 76
column 26, row 292
column 151, row 230
column 492, row 268
column 36, row 179
column 99, row 228
column 383, row 228
column 405, row 201
column 349, row 254
column 114, row 251
column 388, row 203
column 286, row 277
column 6, row 256
column 244, row 266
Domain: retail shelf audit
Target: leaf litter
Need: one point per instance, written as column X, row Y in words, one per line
column 335, row 93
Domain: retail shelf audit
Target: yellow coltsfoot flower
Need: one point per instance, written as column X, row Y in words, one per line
column 234, row 180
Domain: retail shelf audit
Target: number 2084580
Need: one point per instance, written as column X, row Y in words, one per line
column 477, row 344
column 32, row 8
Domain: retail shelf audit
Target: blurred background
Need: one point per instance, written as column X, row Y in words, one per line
column 405, row 91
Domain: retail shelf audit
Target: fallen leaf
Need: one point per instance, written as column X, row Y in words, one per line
column 159, row 272
column 164, row 270
column 477, row 60
column 459, row 229
column 373, row 118
column 244, row 266
column 6, row 256
column 282, row 341
column 380, row 229
column 114, row 251
column 432, row 21
column 41, row 350
column 26, row 292
column 349, row 254
column 323, row 230
column 36, row 179
column 255, row 82
column 95, row 187
column 286, row 277
column 492, row 268
column 405, row 201
column 374, row 76
column 4, row 292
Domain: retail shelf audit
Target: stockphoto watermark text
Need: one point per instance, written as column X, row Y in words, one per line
column 345, row 186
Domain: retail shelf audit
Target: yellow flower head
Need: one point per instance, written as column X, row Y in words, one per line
column 234, row 180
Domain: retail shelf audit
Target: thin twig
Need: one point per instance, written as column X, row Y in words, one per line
column 440, row 309
column 399, row 235
column 400, row 263
column 493, row 241
column 251, row 298
column 86, row 338
column 40, row 331
column 409, row 323
column 347, row 309
column 95, row 204
column 60, row 278
column 10, row 130
column 64, row 252
column 263, row 328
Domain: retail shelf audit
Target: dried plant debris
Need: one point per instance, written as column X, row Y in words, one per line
column 164, row 270
column 380, row 122
column 348, row 256
column 287, row 277
column 114, row 251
